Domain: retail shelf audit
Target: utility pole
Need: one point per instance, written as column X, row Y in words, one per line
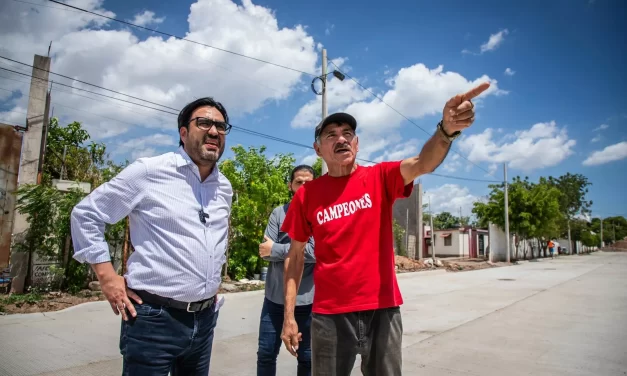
column 570, row 242
column 407, row 231
column 602, row 245
column 419, row 229
column 324, row 96
column 432, row 231
column 29, row 165
column 506, row 213
column 614, row 227
column 460, row 217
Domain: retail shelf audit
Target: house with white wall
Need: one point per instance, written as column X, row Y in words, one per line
column 460, row 242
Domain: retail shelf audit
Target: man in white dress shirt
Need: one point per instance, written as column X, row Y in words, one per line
column 178, row 204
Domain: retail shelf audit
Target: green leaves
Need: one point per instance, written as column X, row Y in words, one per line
column 399, row 238
column 259, row 185
column 48, row 210
column 533, row 208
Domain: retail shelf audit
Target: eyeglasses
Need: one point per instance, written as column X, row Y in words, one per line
column 205, row 124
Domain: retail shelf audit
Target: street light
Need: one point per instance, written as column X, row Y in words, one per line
column 323, row 78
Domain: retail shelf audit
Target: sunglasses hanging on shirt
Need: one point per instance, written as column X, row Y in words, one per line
column 202, row 215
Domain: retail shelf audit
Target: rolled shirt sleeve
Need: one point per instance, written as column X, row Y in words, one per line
column 107, row 204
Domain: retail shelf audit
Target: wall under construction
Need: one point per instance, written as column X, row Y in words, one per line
column 10, row 149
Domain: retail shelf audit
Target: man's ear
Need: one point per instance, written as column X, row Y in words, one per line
column 183, row 133
column 317, row 149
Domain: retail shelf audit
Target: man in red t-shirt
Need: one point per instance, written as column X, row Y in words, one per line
column 356, row 306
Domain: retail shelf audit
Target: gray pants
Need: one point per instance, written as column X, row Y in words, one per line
column 376, row 335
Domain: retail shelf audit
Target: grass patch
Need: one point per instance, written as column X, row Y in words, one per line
column 19, row 299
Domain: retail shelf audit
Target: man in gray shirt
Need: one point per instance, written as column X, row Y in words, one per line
column 274, row 249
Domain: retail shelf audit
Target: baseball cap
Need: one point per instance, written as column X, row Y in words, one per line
column 338, row 118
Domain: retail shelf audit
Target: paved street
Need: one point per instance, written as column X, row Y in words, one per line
column 552, row 317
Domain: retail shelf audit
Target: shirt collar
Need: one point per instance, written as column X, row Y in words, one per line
column 183, row 159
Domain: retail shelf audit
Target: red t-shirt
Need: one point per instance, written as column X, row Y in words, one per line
column 350, row 218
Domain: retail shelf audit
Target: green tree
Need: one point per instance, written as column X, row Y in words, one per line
column 533, row 210
column 445, row 220
column 68, row 153
column 613, row 228
column 399, row 238
column 259, row 185
column 545, row 208
column 573, row 188
column 589, row 239
column 317, row 167
column 48, row 210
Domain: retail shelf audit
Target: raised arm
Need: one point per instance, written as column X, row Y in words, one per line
column 458, row 114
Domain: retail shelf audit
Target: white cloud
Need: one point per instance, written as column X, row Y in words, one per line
column 494, row 41
column 597, row 138
column 600, row 128
column 309, row 159
column 146, row 146
column 15, row 116
column 166, row 71
column 542, row 145
column 452, row 164
column 399, row 151
column 147, row 18
column 611, row 153
column 415, row 91
column 329, row 29
column 449, row 198
column 509, row 72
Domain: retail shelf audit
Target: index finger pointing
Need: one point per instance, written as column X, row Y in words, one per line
column 474, row 92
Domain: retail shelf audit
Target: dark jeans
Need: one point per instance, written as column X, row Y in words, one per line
column 162, row 340
column 270, row 342
column 375, row 334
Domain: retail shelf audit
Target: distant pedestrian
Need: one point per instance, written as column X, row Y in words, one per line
column 274, row 249
column 356, row 307
column 178, row 204
column 551, row 246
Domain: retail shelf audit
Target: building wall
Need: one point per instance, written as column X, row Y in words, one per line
column 498, row 243
column 452, row 250
column 10, row 150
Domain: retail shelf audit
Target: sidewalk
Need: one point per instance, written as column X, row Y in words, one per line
column 454, row 324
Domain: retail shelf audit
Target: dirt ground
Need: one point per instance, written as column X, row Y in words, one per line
column 55, row 301
column 405, row 264
column 470, row 264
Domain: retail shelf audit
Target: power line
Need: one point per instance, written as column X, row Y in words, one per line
column 92, row 92
column 184, row 39
column 87, row 83
column 405, row 117
column 47, row 6
column 235, row 127
column 469, row 179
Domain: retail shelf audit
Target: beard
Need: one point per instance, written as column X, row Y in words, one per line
column 208, row 155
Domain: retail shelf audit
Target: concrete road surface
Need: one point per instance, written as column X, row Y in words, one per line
column 562, row 317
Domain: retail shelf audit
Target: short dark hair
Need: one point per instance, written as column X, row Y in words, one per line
column 302, row 167
column 186, row 112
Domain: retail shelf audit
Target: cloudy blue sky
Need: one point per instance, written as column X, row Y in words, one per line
column 557, row 102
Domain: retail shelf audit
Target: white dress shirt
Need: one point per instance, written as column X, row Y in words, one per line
column 176, row 256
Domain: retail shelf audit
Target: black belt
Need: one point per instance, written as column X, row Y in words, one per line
column 169, row 302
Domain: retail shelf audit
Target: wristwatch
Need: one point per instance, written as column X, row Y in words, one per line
column 448, row 137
